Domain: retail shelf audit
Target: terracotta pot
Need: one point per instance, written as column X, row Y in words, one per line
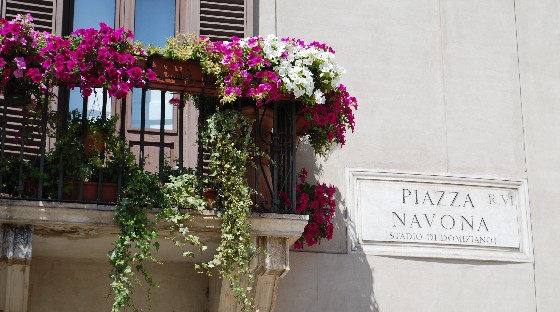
column 30, row 189
column 301, row 127
column 266, row 122
column 258, row 177
column 89, row 191
column 210, row 194
column 94, row 143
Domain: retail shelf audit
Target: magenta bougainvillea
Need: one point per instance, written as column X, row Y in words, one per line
column 265, row 69
column 318, row 202
column 20, row 60
column 87, row 59
column 92, row 58
column 268, row 68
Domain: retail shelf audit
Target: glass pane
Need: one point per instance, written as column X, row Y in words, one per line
column 95, row 102
column 153, row 109
column 153, row 24
column 88, row 13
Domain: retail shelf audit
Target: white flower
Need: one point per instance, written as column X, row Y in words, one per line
column 319, row 97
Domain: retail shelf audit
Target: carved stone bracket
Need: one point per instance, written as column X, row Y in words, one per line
column 16, row 243
column 268, row 267
column 14, row 266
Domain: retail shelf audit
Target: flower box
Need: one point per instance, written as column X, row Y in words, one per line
column 179, row 76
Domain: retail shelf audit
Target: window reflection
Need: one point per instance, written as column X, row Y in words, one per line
column 153, row 109
column 88, row 14
column 152, row 25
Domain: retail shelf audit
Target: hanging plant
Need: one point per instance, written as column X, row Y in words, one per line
column 271, row 69
column 228, row 133
column 138, row 236
column 20, row 61
column 91, row 58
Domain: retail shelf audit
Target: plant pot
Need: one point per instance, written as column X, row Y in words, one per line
column 30, row 189
column 94, row 143
column 89, row 191
column 265, row 123
column 210, row 194
column 301, row 126
column 176, row 75
column 258, row 177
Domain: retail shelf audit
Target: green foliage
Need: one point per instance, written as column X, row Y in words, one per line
column 136, row 239
column 229, row 135
column 79, row 162
column 10, row 171
column 182, row 195
column 185, row 47
column 138, row 236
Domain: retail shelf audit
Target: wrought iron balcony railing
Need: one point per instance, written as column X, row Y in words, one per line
column 53, row 154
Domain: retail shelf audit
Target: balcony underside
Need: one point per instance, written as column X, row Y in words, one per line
column 74, row 230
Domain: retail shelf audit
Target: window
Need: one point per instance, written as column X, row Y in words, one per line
column 88, row 14
column 152, row 21
column 223, row 19
column 43, row 11
column 152, row 25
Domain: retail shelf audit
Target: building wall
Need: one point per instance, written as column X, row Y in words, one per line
column 442, row 89
column 539, row 47
column 72, row 285
column 445, row 87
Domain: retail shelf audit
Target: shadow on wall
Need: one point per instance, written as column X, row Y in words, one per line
column 324, row 282
column 321, row 281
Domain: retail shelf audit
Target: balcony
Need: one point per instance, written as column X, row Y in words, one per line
column 220, row 163
column 58, row 155
column 63, row 172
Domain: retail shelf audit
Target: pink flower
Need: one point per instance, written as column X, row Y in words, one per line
column 303, row 175
column 20, row 62
column 175, row 101
column 320, row 205
column 18, row 73
column 86, row 92
column 151, row 75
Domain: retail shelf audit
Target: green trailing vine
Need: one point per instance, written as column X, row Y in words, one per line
column 138, row 237
column 229, row 135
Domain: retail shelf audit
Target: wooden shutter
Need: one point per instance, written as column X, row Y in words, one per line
column 41, row 10
column 17, row 123
column 222, row 19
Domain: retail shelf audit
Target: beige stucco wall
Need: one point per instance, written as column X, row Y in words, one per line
column 442, row 90
column 82, row 285
column 539, row 44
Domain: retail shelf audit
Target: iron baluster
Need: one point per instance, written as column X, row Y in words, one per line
column 43, row 143
column 181, row 111
column 4, row 125
column 102, row 152
column 162, row 136
column 142, row 127
column 122, row 135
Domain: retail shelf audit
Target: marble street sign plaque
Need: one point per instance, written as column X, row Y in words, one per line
column 439, row 216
